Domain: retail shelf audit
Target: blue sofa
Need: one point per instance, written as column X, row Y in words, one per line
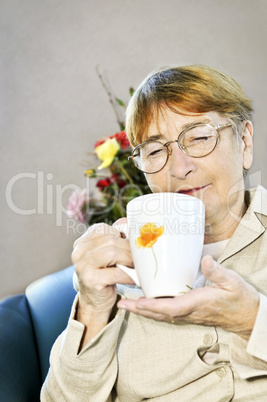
column 29, row 325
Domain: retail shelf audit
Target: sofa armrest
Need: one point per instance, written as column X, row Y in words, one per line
column 50, row 299
column 20, row 378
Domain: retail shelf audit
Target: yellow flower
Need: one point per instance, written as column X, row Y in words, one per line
column 91, row 173
column 107, row 151
column 149, row 234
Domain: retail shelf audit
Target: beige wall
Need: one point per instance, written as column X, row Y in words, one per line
column 53, row 107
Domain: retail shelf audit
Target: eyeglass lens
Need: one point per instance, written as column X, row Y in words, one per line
column 197, row 141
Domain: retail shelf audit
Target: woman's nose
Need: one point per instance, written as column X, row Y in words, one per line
column 180, row 164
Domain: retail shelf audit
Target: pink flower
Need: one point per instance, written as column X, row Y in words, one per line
column 77, row 205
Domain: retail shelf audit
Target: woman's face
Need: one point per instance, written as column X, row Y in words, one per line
column 216, row 179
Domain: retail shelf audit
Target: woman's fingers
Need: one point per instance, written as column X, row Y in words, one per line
column 102, row 246
column 224, row 303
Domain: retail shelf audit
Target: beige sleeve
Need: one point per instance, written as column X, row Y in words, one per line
column 257, row 345
column 86, row 376
column 250, row 358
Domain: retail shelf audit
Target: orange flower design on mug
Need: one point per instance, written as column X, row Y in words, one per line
column 149, row 234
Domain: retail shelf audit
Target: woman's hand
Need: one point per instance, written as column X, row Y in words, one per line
column 229, row 302
column 95, row 256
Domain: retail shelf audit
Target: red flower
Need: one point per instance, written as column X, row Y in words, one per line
column 122, row 139
column 120, row 182
column 100, row 142
column 101, row 184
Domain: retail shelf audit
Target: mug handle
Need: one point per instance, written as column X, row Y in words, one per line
column 131, row 272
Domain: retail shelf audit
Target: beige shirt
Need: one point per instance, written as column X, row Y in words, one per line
column 134, row 358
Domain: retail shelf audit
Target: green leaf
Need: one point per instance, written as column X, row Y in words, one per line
column 122, row 126
column 131, row 91
column 120, row 102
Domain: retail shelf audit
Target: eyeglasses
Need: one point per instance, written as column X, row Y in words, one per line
column 196, row 141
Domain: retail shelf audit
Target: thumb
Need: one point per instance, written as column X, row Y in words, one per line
column 214, row 272
column 120, row 221
column 121, row 225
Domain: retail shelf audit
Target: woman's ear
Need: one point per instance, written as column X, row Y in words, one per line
column 247, row 135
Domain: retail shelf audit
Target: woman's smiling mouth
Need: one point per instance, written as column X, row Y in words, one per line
column 190, row 191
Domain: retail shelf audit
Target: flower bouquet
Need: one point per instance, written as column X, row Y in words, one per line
column 113, row 188
column 116, row 180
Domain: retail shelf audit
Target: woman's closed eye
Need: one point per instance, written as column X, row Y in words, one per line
column 156, row 152
column 196, row 140
column 203, row 138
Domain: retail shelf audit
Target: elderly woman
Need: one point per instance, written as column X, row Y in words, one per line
column 208, row 344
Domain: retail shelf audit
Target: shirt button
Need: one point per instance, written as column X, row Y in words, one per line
column 207, row 339
column 221, row 372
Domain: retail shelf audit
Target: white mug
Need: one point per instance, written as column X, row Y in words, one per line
column 166, row 233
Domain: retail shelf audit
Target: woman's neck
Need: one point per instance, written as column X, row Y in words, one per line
column 224, row 227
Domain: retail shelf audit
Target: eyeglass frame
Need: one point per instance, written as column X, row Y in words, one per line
column 169, row 151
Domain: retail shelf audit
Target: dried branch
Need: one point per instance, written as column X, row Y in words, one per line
column 112, row 99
